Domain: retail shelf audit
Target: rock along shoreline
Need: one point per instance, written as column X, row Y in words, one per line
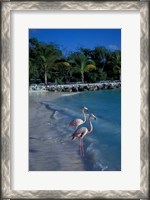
column 76, row 87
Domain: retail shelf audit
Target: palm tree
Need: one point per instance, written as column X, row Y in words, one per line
column 101, row 56
column 116, row 63
column 48, row 55
column 62, row 67
column 82, row 64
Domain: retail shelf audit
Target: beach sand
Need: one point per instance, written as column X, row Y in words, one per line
column 50, row 147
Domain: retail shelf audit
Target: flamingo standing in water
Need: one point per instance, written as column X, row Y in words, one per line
column 78, row 122
column 81, row 132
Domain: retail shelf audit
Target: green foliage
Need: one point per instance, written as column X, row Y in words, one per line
column 46, row 62
column 43, row 56
column 81, row 64
column 113, row 67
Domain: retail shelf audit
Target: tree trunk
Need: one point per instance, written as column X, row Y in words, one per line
column 45, row 75
column 82, row 77
column 103, row 67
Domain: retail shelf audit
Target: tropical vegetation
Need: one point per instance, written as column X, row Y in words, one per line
column 48, row 64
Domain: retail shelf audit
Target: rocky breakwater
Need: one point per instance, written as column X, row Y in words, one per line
column 77, row 87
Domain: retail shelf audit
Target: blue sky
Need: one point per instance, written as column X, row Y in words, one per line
column 70, row 40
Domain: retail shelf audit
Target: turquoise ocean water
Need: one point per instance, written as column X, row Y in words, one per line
column 102, row 147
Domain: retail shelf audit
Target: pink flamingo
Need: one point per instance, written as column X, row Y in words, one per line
column 78, row 122
column 81, row 132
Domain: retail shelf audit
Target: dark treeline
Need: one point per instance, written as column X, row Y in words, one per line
column 47, row 64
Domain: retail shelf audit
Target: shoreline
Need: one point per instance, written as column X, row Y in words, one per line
column 48, row 95
column 75, row 87
column 45, row 138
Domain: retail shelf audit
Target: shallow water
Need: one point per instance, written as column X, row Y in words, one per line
column 50, row 144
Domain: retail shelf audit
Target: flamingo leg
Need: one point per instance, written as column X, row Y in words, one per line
column 82, row 147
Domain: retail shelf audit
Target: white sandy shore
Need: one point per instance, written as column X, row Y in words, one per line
column 51, row 95
column 48, row 149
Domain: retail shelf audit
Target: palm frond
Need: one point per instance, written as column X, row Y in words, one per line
column 89, row 67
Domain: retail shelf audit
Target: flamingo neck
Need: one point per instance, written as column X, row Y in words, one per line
column 91, row 127
column 84, row 119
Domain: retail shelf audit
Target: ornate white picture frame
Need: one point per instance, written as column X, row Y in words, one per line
column 6, row 159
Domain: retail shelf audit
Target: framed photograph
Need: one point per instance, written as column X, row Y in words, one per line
column 75, row 92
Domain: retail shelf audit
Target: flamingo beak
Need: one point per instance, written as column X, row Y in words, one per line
column 94, row 117
column 85, row 108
